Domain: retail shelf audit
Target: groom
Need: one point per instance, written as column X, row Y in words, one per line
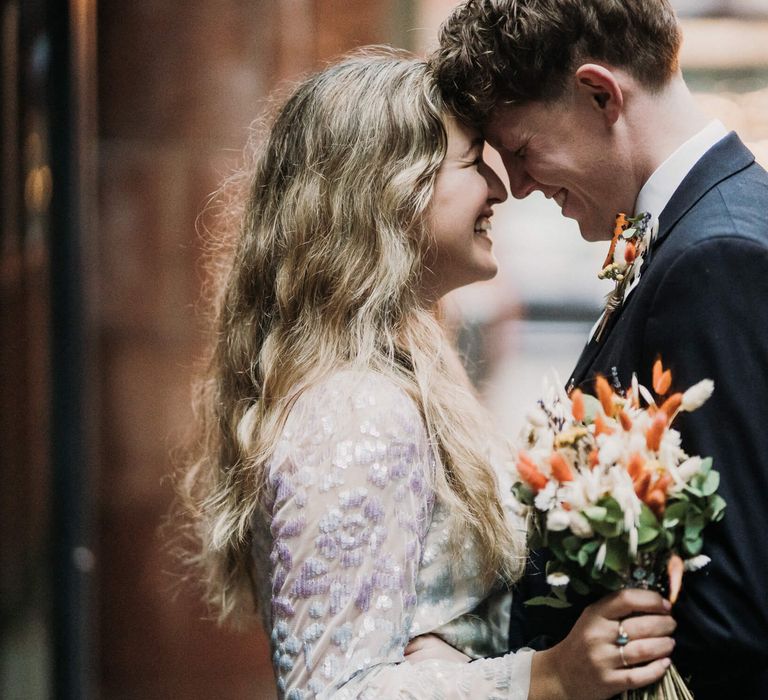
column 585, row 102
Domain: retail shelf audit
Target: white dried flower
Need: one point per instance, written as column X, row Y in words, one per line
column 635, row 387
column 600, row 557
column 697, row 395
column 696, row 563
column 557, row 520
column 611, row 448
column 647, row 396
column 580, row 525
column 558, row 579
column 633, row 534
column 545, row 498
column 688, row 469
column 537, row 417
column 619, row 254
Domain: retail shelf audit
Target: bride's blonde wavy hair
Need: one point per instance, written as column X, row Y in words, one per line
column 326, row 273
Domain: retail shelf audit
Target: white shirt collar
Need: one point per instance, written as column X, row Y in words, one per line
column 661, row 185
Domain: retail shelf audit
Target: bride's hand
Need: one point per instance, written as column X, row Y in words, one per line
column 430, row 646
column 589, row 664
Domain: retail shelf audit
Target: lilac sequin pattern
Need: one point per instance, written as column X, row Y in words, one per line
column 351, row 513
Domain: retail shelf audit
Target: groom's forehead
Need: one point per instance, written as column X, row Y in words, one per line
column 507, row 125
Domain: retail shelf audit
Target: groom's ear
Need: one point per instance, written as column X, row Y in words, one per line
column 600, row 86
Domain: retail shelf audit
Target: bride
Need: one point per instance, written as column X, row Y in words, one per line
column 343, row 487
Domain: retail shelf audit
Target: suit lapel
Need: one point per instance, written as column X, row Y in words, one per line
column 724, row 159
column 727, row 157
column 591, row 349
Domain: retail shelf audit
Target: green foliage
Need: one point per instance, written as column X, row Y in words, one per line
column 679, row 530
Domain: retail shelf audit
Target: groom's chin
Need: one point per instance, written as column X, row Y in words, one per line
column 592, row 233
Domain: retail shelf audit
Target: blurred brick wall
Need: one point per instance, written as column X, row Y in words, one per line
column 178, row 85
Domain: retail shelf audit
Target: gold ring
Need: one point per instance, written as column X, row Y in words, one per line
column 623, row 660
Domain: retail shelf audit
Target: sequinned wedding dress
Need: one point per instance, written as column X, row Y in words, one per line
column 358, row 563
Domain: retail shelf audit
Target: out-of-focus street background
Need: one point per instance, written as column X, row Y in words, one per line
column 117, row 120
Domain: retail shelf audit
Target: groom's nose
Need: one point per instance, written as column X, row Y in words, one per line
column 521, row 184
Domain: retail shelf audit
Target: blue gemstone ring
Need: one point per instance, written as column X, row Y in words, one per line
column 622, row 638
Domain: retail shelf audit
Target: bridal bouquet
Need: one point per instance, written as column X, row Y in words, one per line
column 613, row 495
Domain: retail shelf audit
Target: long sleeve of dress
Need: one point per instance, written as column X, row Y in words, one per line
column 352, row 505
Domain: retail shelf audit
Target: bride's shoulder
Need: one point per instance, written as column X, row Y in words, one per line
column 346, row 397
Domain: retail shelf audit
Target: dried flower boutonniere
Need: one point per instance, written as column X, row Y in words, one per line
column 625, row 258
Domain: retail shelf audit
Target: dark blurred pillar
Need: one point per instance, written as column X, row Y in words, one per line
column 46, row 188
column 74, row 362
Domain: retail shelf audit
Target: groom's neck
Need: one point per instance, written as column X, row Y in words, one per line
column 663, row 121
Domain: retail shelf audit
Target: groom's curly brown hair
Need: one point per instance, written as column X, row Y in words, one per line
column 518, row 51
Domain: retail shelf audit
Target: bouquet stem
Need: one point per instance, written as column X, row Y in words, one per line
column 670, row 687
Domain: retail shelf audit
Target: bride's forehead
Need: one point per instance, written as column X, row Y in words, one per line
column 461, row 137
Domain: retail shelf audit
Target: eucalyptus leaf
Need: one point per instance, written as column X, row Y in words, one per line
column 693, row 546
column 579, row 586
column 716, row 507
column 615, row 511
column 616, row 556
column 647, row 517
column 572, row 543
column 607, row 529
column 523, row 493
column 647, row 534
column 595, row 513
column 694, row 524
column 711, row 482
column 548, row 601
column 675, row 511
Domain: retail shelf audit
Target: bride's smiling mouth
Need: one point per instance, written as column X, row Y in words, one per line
column 483, row 225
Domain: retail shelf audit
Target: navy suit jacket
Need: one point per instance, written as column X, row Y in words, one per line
column 702, row 305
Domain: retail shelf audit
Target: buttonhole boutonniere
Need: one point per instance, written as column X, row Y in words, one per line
column 625, row 258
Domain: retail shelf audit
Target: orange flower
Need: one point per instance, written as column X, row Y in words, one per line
column 656, row 500
column 675, row 569
column 594, row 459
column 601, row 426
column 671, row 405
column 560, row 468
column 641, row 485
column 635, row 466
column 619, row 228
column 663, row 483
column 654, row 434
column 605, row 394
column 530, row 473
column 626, row 421
column 630, row 252
column 577, row 405
column 662, row 379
